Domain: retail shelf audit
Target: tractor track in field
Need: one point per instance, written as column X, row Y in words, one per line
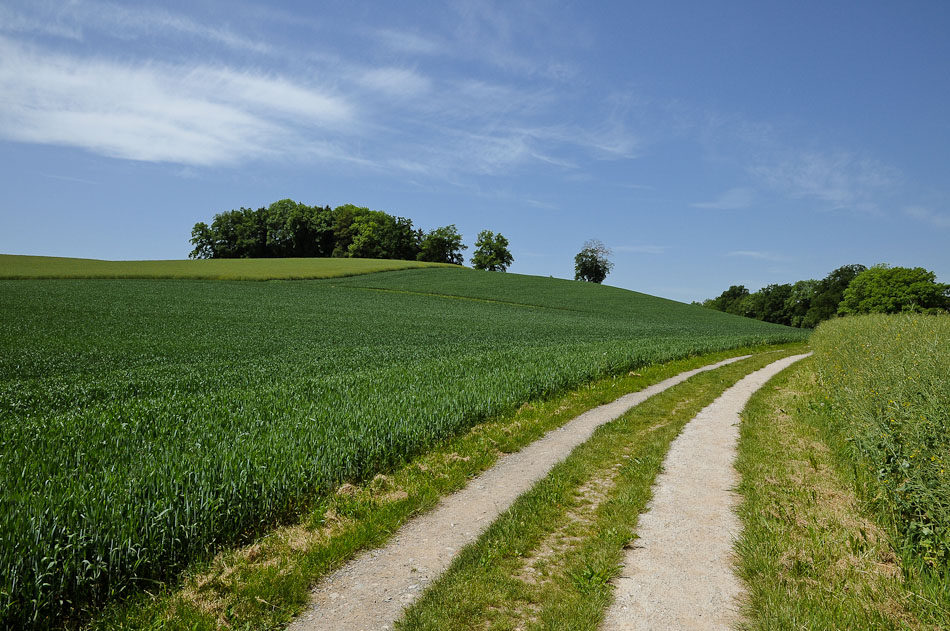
column 371, row 591
column 679, row 572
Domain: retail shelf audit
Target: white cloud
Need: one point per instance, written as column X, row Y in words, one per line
column 197, row 115
column 925, row 214
column 72, row 19
column 841, row 180
column 733, row 199
column 608, row 141
column 14, row 22
column 196, row 112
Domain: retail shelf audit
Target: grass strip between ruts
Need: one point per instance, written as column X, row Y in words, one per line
column 811, row 555
column 546, row 563
column 262, row 586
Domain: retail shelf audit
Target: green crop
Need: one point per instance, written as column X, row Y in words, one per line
column 145, row 423
column 13, row 266
column 886, row 384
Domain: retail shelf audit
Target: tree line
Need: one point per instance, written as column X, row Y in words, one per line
column 291, row 229
column 848, row 290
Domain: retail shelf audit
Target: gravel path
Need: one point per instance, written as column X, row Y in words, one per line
column 679, row 574
column 370, row 592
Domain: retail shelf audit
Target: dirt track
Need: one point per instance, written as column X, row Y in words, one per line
column 370, row 592
column 679, row 573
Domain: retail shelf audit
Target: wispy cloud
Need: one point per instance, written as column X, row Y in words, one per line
column 197, row 115
column 73, row 19
column 68, row 178
column 12, row 21
column 168, row 101
column 841, row 180
column 925, row 214
column 409, row 42
column 733, row 199
column 395, row 82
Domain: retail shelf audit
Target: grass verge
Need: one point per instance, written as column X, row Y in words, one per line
column 546, row 563
column 262, row 586
column 810, row 553
column 886, row 386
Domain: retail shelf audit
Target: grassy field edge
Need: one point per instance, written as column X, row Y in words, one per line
column 262, row 586
column 811, row 553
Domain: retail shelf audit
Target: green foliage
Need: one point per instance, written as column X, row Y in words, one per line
column 886, row 381
column 803, row 304
column 13, row 266
column 145, row 423
column 298, row 230
column 284, row 229
column 729, row 301
column 884, row 289
column 592, row 263
column 829, row 293
column 442, row 245
column 203, row 239
column 290, row 229
column 799, row 301
column 491, row 252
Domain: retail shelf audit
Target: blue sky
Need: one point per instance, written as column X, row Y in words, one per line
column 706, row 143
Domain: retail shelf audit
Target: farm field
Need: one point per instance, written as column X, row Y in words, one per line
column 146, row 421
column 14, row 266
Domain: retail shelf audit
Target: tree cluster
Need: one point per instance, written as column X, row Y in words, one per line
column 885, row 289
column 848, row 290
column 290, row 229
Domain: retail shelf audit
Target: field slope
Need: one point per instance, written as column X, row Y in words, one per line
column 145, row 422
column 13, row 266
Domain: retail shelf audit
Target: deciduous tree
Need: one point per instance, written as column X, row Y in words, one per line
column 442, row 245
column 491, row 252
column 592, row 263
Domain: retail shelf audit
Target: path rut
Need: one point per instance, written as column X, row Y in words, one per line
column 370, row 592
column 678, row 575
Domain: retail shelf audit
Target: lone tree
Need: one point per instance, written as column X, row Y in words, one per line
column 491, row 252
column 592, row 263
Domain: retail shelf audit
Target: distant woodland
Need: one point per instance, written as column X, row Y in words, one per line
column 848, row 290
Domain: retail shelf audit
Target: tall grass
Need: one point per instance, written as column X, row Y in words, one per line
column 145, row 423
column 886, row 383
